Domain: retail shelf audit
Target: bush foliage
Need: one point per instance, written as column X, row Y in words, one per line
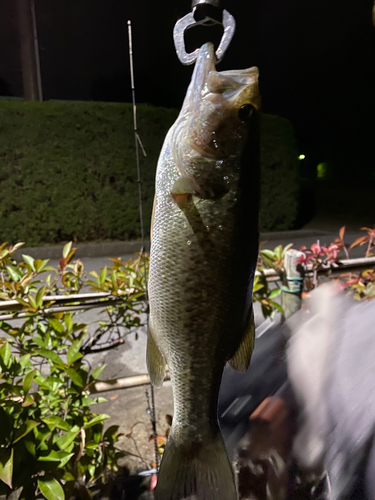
column 279, row 174
column 52, row 444
column 67, row 170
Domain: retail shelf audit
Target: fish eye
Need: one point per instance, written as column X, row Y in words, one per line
column 245, row 111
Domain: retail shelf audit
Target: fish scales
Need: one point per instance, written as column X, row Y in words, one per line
column 203, row 256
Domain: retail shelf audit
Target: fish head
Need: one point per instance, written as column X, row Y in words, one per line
column 221, row 105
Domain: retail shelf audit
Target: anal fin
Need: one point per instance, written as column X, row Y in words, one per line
column 155, row 360
column 241, row 359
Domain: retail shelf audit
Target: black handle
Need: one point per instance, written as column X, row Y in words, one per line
column 207, row 8
column 214, row 3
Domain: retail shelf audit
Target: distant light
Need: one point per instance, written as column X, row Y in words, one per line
column 322, row 170
column 301, row 157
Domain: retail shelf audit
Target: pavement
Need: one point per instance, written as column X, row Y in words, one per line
column 128, row 407
column 96, row 253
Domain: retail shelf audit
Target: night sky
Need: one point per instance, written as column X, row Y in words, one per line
column 316, row 61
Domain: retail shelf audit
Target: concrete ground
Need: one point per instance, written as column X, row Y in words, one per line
column 128, row 407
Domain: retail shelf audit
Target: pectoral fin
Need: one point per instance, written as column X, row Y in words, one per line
column 241, row 359
column 182, row 191
column 155, row 360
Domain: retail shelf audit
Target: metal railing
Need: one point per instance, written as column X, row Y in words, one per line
column 12, row 309
column 291, row 301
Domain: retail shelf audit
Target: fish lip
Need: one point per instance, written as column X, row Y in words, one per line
column 206, row 59
column 205, row 63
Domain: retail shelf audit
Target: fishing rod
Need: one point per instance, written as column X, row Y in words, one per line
column 150, row 398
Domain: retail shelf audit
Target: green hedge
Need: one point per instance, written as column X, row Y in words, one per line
column 280, row 183
column 67, row 170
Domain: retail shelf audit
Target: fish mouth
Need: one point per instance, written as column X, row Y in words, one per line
column 214, row 100
column 208, row 123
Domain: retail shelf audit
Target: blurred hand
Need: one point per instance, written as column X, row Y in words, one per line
column 331, row 366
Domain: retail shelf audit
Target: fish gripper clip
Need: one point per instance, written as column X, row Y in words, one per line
column 206, row 13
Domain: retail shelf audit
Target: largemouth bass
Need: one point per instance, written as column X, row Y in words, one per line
column 203, row 256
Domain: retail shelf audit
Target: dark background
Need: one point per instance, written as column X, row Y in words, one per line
column 316, row 61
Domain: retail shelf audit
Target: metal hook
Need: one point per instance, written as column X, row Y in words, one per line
column 188, row 21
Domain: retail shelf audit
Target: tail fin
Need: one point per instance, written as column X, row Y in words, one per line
column 198, row 471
